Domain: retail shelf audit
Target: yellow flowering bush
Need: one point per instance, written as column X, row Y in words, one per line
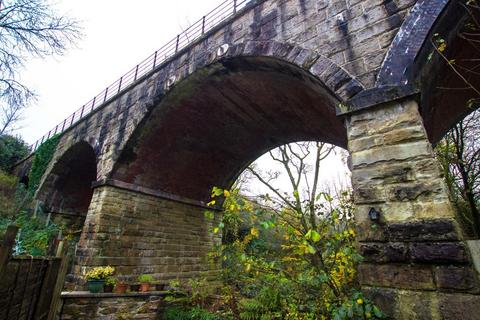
column 100, row 273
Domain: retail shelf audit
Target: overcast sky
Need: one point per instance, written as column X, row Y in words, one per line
column 118, row 35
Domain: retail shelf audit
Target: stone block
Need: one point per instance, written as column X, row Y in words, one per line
column 367, row 230
column 412, row 191
column 455, row 278
column 396, row 212
column 459, row 306
column 419, row 305
column 365, row 143
column 369, row 194
column 439, row 252
column 391, row 153
column 403, row 135
column 384, row 298
column 384, row 252
column 427, row 230
column 397, row 276
column 434, row 210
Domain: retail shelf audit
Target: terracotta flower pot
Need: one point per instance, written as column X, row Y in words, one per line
column 144, row 287
column 121, row 288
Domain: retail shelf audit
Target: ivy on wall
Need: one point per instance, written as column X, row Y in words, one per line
column 43, row 156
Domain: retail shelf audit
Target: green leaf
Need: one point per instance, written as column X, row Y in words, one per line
column 209, row 214
column 377, row 312
column 311, row 249
column 308, row 235
column 216, row 192
column 315, row 236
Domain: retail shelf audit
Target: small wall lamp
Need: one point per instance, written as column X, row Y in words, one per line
column 373, row 214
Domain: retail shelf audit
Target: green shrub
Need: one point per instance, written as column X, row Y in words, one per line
column 7, row 194
column 175, row 313
column 145, row 278
column 34, row 236
column 12, row 150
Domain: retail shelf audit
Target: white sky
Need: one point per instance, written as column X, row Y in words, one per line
column 118, row 35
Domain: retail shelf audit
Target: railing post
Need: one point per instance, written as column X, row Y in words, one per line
column 155, row 60
column 234, row 6
column 36, row 144
column 48, row 136
column 93, row 103
column 136, row 73
column 81, row 112
column 56, row 127
column 105, row 97
column 178, row 40
column 73, row 117
column 120, row 84
column 203, row 25
column 63, row 126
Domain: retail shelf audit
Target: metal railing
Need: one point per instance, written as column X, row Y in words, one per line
column 224, row 11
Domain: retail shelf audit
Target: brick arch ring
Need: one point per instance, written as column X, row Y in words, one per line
column 341, row 84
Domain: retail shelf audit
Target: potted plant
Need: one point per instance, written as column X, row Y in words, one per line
column 121, row 286
column 145, row 281
column 96, row 278
column 109, row 284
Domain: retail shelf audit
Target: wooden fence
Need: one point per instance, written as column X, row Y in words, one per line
column 30, row 287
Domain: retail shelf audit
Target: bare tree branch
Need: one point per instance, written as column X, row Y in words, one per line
column 28, row 28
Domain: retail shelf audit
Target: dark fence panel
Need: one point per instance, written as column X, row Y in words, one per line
column 29, row 286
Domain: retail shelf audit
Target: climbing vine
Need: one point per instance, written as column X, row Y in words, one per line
column 43, row 156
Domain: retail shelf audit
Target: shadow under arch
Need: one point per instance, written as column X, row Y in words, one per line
column 67, row 189
column 412, row 60
column 211, row 125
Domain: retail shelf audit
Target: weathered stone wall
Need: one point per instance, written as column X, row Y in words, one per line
column 416, row 245
column 350, row 38
column 88, row 306
column 141, row 233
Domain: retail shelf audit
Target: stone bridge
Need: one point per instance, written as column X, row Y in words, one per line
column 136, row 172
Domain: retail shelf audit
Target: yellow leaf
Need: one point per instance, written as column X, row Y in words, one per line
column 254, row 232
column 226, row 193
column 442, row 47
column 215, row 230
column 211, row 203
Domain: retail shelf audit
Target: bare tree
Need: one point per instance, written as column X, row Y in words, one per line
column 28, row 28
column 459, row 150
column 459, row 154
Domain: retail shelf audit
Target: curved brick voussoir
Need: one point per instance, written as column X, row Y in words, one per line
column 339, row 81
column 396, row 68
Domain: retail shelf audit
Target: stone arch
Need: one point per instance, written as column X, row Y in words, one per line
column 409, row 66
column 66, row 190
column 190, row 140
column 397, row 66
column 339, row 81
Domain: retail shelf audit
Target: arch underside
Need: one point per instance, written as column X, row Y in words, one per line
column 67, row 189
column 210, row 126
column 444, row 94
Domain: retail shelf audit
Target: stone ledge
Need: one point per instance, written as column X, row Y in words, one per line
column 103, row 295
